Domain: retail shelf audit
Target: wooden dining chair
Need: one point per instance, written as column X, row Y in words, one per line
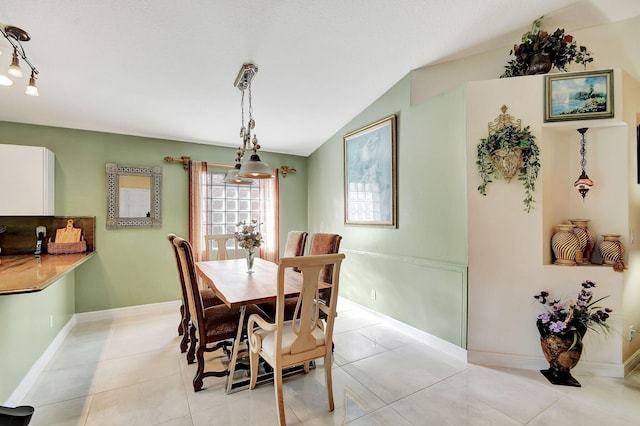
column 208, row 299
column 304, row 338
column 211, row 328
column 220, row 241
column 296, row 242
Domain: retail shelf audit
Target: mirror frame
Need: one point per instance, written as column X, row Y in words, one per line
column 114, row 171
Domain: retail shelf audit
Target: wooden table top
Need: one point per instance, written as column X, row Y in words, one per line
column 27, row 273
column 231, row 283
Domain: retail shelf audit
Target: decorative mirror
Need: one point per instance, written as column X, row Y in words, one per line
column 133, row 196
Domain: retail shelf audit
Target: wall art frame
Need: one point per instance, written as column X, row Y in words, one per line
column 115, row 175
column 370, row 193
column 584, row 95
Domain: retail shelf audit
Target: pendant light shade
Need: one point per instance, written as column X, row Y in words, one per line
column 232, row 177
column 255, row 169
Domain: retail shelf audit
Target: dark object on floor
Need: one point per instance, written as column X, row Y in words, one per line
column 18, row 416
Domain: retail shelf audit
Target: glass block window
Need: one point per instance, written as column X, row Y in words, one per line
column 227, row 204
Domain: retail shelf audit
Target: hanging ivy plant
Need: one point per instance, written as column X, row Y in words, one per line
column 509, row 138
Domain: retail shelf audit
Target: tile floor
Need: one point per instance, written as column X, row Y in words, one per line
column 129, row 371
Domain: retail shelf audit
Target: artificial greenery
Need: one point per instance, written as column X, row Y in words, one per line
column 510, row 137
column 558, row 46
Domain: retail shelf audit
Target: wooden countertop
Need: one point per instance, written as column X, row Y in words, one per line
column 27, row 273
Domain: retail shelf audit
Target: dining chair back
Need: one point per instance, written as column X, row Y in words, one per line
column 220, row 241
column 325, row 244
column 296, row 241
column 208, row 299
column 211, row 326
column 304, row 338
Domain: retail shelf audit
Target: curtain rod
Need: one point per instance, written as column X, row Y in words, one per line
column 185, row 162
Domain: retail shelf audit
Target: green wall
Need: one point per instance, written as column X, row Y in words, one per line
column 419, row 270
column 135, row 266
column 131, row 266
column 26, row 331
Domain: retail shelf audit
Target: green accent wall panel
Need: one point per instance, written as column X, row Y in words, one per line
column 427, row 295
column 26, row 330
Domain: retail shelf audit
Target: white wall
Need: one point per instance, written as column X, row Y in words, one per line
column 509, row 249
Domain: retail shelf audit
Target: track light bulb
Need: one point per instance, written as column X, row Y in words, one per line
column 14, row 68
column 32, row 90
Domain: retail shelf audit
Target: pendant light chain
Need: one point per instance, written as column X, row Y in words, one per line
column 583, row 152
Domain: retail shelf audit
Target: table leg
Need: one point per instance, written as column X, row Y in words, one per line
column 234, row 351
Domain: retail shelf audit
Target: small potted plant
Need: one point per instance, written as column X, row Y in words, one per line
column 562, row 328
column 509, row 151
column 539, row 51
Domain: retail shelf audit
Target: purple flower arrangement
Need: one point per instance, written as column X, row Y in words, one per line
column 564, row 317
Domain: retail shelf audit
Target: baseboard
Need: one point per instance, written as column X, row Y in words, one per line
column 36, row 369
column 127, row 312
column 448, row 348
column 534, row 363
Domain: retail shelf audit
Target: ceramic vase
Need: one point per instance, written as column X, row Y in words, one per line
column 587, row 238
column 539, row 63
column 566, row 246
column 251, row 255
column 611, row 249
column 562, row 352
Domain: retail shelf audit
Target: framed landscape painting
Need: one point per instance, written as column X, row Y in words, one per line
column 578, row 96
column 370, row 174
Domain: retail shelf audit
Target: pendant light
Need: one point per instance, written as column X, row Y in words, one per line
column 232, row 175
column 254, row 168
column 583, row 184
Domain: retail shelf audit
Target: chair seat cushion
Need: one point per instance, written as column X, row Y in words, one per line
column 209, row 298
column 288, row 337
column 221, row 322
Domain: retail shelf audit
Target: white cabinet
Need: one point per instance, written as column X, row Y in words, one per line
column 27, row 181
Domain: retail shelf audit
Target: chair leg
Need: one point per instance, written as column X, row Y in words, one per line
column 191, row 354
column 254, row 361
column 197, row 379
column 277, row 384
column 184, row 342
column 181, row 323
column 328, row 379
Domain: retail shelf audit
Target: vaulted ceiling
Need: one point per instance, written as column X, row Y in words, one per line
column 165, row 68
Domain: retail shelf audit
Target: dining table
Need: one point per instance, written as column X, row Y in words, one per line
column 231, row 282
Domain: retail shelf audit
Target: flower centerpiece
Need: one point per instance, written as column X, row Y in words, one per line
column 562, row 328
column 493, row 160
column 249, row 237
column 539, row 51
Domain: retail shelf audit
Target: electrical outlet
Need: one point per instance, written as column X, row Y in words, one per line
column 50, row 321
column 632, row 331
column 373, row 295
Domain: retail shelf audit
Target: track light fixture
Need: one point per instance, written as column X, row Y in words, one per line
column 254, row 168
column 16, row 36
